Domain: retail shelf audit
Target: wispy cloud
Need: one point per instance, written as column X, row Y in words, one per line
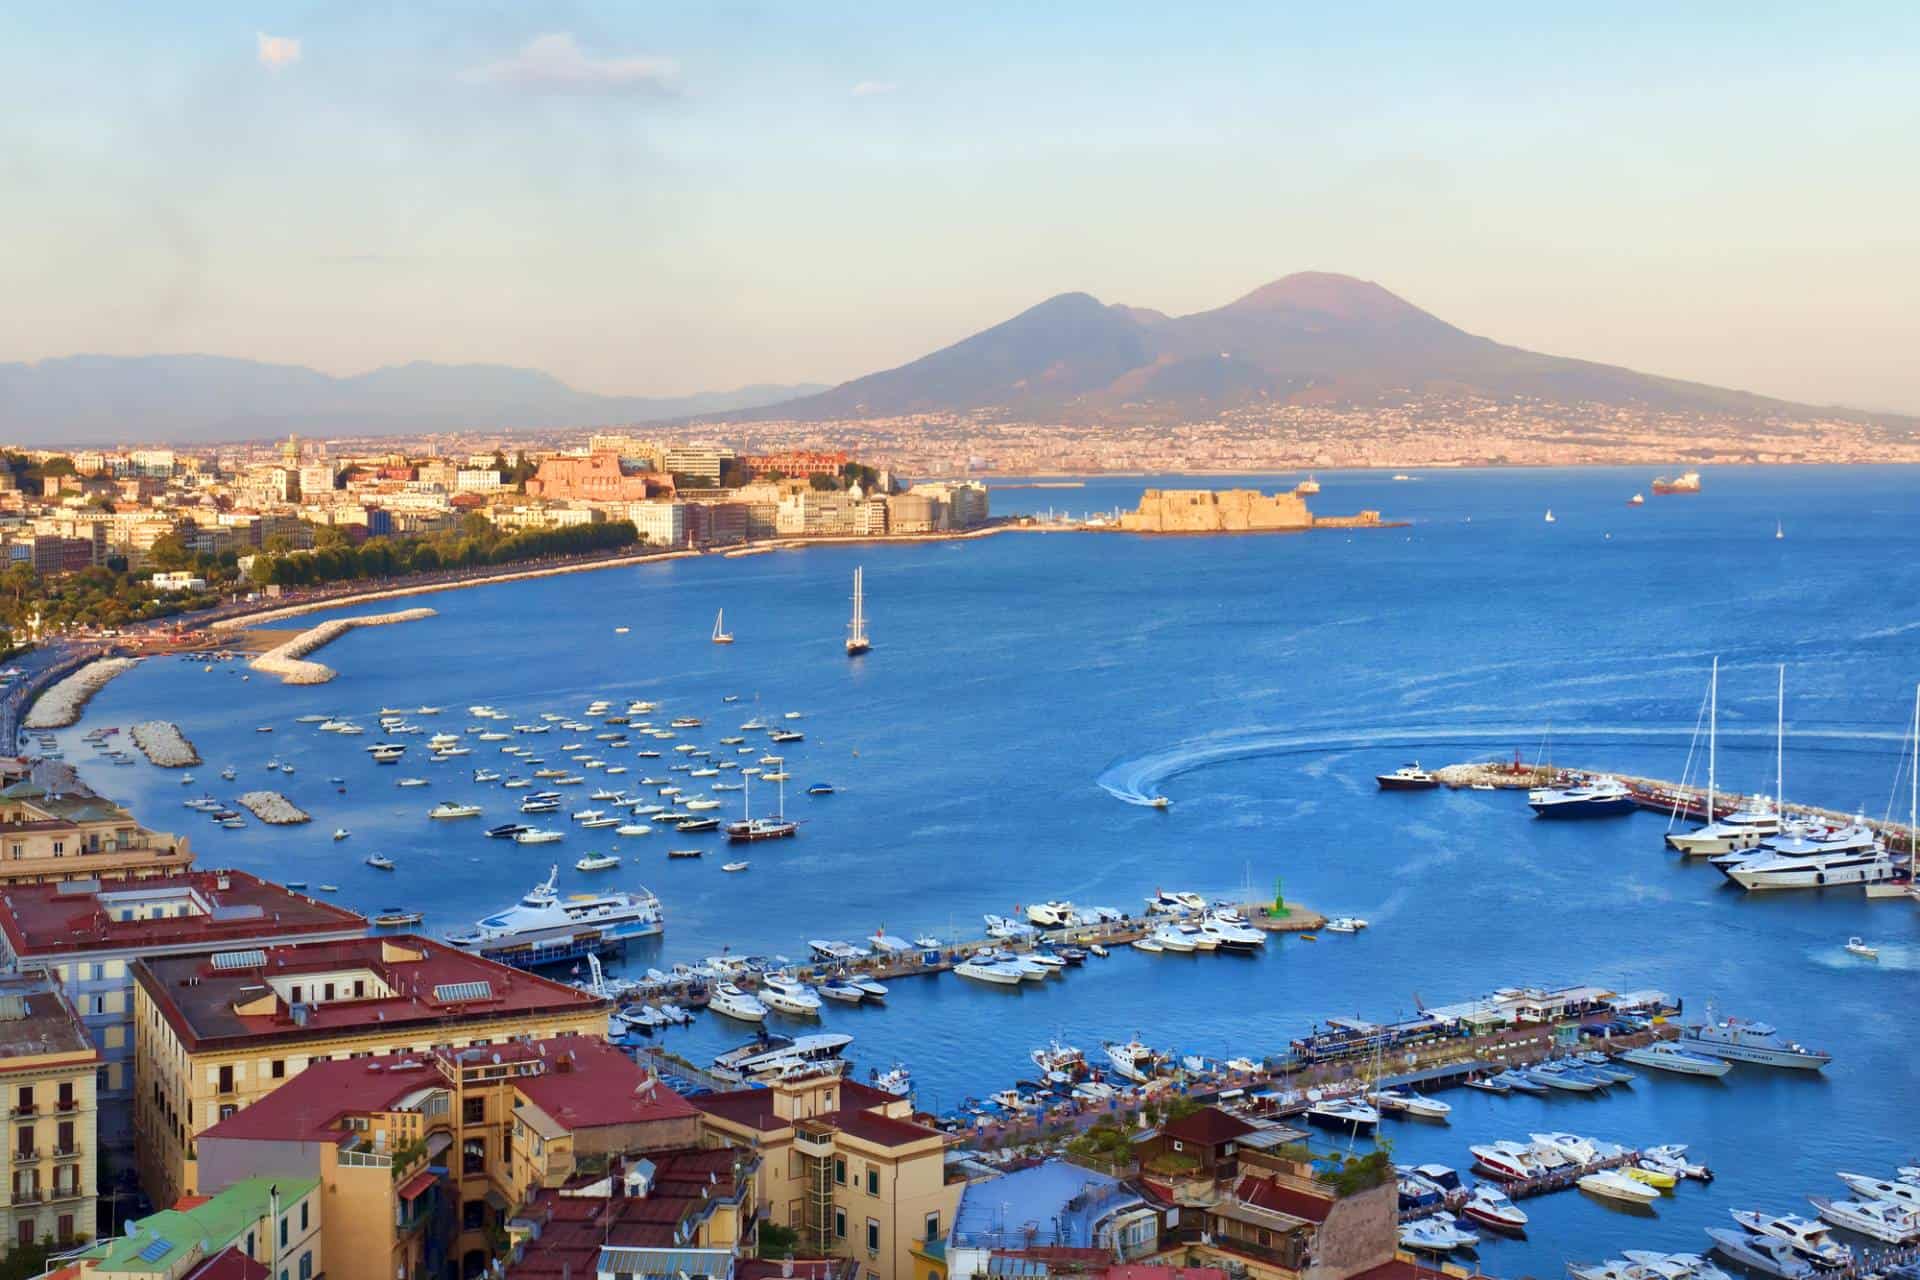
column 873, row 88
column 277, row 51
column 555, row 63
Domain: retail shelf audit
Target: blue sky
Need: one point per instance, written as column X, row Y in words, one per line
column 654, row 198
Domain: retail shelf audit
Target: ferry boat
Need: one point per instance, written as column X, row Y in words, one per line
column 1685, row 482
column 1738, row 1040
column 1408, row 777
column 1600, row 798
column 545, row 928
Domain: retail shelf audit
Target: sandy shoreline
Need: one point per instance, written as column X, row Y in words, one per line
column 288, row 660
column 61, row 705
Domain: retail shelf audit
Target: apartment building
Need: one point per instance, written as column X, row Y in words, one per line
column 46, row 1075
column 52, row 827
column 217, row 1031
column 844, row 1165
column 86, row 934
column 260, row 1229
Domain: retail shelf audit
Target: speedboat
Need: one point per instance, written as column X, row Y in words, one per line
column 1408, row 777
column 1856, row 946
column 507, row 830
column 841, row 990
column 1571, row 1147
column 1763, row 1254
column 1599, row 798
column 1520, row 1081
column 1905, row 1192
column 867, row 986
column 1490, row 1084
column 1652, row 1176
column 789, row 995
column 1611, row 1184
column 1490, row 1207
column 1436, row 1233
column 597, row 862
column 1664, row 1055
column 454, row 809
column 1171, row 938
column 1148, row 945
column 1886, row 1220
column 989, row 971
column 1810, row 1239
column 1556, row 1075
column 1344, row 1113
column 1513, row 1161
column 1345, row 924
column 1672, row 1158
column 380, row 862
column 731, row 1001
column 538, row 835
column 1673, row 1266
column 1395, row 1102
column 341, row 833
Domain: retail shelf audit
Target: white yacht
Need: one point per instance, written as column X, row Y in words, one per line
column 1412, row 1104
column 1348, row 1114
column 1664, row 1055
column 1175, row 902
column 538, row 835
column 454, row 809
column 1232, row 937
column 1435, row 1233
column 1570, row 1147
column 1803, row 864
column 1132, row 1061
column 1346, row 924
column 1881, row 1219
column 1739, row 1040
column 1906, row 1191
column 985, row 969
column 544, row 927
column 1509, row 1160
column 1744, row 828
column 1053, row 915
column 731, row 1001
column 789, row 995
column 1170, row 938
column 1611, row 1184
column 1808, row 1238
column 771, row 1055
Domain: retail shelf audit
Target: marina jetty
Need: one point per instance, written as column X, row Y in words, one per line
column 162, row 743
column 288, row 660
column 1656, row 795
column 274, row 809
column 1234, row 511
column 61, row 705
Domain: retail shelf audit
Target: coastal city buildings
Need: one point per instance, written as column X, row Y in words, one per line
column 219, row 1030
column 260, row 1229
column 88, row 934
column 53, row 827
column 47, row 1066
column 844, row 1165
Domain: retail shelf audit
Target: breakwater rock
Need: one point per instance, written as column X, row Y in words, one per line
column 62, row 704
column 162, row 742
column 274, row 809
column 288, row 660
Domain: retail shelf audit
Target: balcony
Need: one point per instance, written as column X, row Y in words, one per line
column 66, row 1153
column 26, row 1197
column 365, row 1160
column 66, row 1193
column 22, row 1109
column 67, row 1104
column 811, row 1138
column 25, row 1155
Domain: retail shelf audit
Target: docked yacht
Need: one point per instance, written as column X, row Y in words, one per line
column 983, row 968
column 1906, row 1191
column 770, row 1055
column 1744, row 828
column 1611, row 1184
column 1408, row 777
column 1052, row 915
column 1490, row 1207
column 1672, row 1158
column 1132, row 1061
column 1804, row 864
column 1810, row 1239
column 789, row 995
column 1738, row 1040
column 1346, row 1114
column 731, row 1001
column 1762, row 1254
column 1002, row 929
column 1881, row 1219
column 1570, row 1147
column 544, row 927
column 1175, row 902
column 538, row 835
column 1396, row 1102
column 1666, row 1056
column 1512, row 1161
column 1598, row 798
column 1435, row 1233
column 1173, row 937
column 1228, row 936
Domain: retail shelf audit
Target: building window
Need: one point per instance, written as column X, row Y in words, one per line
column 283, row 1231
column 65, row 1140
column 473, row 1215
column 303, row 1217
column 306, row 1265
column 26, row 1099
column 933, row 1228
column 839, row 1224
column 226, row 1079
column 873, row 1180
column 473, row 1110
column 65, row 1233
column 27, row 1239
column 226, row 1110
column 873, row 1236
column 329, row 992
column 277, row 1069
column 840, row 1170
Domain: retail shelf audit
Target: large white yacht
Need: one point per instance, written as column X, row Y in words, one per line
column 1229, row 936
column 1811, row 864
column 546, row 928
column 1744, row 828
column 1053, row 915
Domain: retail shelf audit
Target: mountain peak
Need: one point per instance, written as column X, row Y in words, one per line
column 1329, row 294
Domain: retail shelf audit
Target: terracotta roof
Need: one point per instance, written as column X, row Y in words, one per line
column 750, row 1107
column 77, row 916
column 1263, row 1194
column 1207, row 1127
column 871, row 1126
column 431, row 983
column 229, row 1264
column 573, row 1228
column 308, row 1107
column 589, row 1083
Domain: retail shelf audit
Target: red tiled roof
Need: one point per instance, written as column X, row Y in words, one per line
column 308, row 1107
column 198, row 1000
column 1262, row 1194
column 573, row 1228
column 1207, row 1127
column 871, row 1126
column 40, row 919
column 750, row 1107
column 416, row 1186
column 589, row 1083
column 229, row 1264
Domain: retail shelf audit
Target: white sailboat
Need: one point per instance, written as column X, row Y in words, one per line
column 1549, row 515
column 720, row 633
column 857, row 642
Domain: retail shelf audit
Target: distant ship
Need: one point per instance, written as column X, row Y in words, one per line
column 1309, row 486
column 857, row 641
column 544, row 928
column 1637, row 500
column 1688, row 482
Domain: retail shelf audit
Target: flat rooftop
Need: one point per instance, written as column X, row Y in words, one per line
column 1054, row 1203
column 196, row 908
column 37, row 1022
column 244, row 995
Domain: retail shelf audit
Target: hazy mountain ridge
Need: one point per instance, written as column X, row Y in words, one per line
column 1313, row 337
column 197, row 399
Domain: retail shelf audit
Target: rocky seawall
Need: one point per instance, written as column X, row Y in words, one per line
column 274, row 809
column 162, row 742
column 62, row 704
column 288, row 660
column 1232, row 511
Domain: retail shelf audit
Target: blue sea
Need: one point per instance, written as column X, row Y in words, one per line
column 1023, row 687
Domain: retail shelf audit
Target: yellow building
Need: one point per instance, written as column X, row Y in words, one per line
column 47, row 1066
column 215, row 1032
column 843, row 1164
column 53, row 828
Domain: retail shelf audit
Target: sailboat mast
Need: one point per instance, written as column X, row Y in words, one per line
column 1713, row 730
column 1913, row 781
column 1780, row 746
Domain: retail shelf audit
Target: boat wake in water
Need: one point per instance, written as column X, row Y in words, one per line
column 1137, row 780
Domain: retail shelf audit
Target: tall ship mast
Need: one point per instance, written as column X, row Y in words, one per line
column 857, row 642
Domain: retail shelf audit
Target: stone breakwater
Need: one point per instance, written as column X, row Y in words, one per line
column 274, row 809
column 62, row 704
column 288, row 660
column 162, row 742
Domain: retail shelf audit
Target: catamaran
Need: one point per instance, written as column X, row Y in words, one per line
column 720, row 633
column 857, row 641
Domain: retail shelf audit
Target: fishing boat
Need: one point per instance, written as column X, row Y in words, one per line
column 1132, row 1060
column 857, row 639
column 1666, row 1056
column 720, row 633
column 395, row 918
column 380, row 862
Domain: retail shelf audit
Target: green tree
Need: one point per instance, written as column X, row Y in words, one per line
column 168, row 553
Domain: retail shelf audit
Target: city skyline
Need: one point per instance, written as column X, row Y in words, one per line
column 665, row 203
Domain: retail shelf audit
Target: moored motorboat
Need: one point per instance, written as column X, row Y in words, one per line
column 1408, row 777
column 1763, row 1254
column 1664, row 1055
column 1885, row 1220
column 1810, row 1239
column 731, row 1001
column 1611, row 1184
column 1345, row 1114
column 1490, row 1207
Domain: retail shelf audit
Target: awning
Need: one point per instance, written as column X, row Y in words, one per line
column 438, row 1142
column 418, row 1185
column 498, row 1201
